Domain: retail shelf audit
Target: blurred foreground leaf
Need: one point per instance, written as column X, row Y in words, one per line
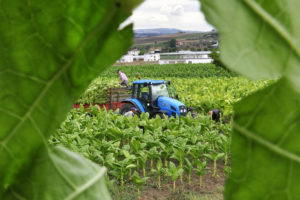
column 49, row 53
column 260, row 39
column 265, row 151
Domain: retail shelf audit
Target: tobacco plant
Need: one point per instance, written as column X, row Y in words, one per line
column 200, row 170
column 139, row 181
column 174, row 172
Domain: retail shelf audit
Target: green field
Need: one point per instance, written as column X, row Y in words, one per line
column 203, row 87
column 175, row 158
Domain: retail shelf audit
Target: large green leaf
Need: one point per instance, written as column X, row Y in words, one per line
column 259, row 38
column 265, row 147
column 49, row 52
column 61, row 174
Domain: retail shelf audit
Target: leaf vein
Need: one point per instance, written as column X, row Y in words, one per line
column 55, row 77
column 274, row 24
column 266, row 143
column 49, row 154
column 87, row 185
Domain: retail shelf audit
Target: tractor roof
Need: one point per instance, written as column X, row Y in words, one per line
column 148, row 82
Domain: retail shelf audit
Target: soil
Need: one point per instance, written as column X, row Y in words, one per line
column 211, row 189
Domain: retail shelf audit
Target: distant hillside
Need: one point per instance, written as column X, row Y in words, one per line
column 159, row 31
column 185, row 41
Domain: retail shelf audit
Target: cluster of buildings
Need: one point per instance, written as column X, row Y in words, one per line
column 134, row 56
column 154, row 55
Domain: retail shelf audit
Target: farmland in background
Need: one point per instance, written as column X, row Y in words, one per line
column 189, row 41
column 182, row 158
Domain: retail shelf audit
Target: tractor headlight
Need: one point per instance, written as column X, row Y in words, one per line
column 182, row 109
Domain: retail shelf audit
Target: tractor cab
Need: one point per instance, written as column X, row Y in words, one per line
column 153, row 96
column 148, row 91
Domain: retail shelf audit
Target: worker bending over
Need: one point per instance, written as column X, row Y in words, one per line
column 124, row 79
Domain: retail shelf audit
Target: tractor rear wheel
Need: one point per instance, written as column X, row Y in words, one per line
column 126, row 108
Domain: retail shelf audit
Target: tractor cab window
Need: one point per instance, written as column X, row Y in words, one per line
column 143, row 95
column 159, row 90
column 135, row 90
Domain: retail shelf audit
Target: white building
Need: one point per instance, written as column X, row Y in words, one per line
column 138, row 58
column 133, row 56
column 192, row 57
column 151, row 57
column 134, row 52
column 126, row 59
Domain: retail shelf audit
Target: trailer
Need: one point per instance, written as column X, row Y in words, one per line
column 115, row 96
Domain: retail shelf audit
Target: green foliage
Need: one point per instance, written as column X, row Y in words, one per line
column 97, row 91
column 250, row 49
column 213, row 88
column 217, row 92
column 215, row 55
column 139, row 181
column 188, row 167
column 50, row 51
column 158, row 171
column 265, row 151
column 273, row 135
column 142, row 52
column 170, row 70
column 174, row 172
column 200, row 170
column 118, row 143
column 172, row 45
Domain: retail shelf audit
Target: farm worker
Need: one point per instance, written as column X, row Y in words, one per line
column 132, row 112
column 124, row 79
column 215, row 114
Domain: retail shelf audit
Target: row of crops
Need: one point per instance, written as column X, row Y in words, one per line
column 203, row 87
column 134, row 149
column 203, row 94
column 171, row 70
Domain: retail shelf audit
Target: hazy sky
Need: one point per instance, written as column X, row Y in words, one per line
column 181, row 14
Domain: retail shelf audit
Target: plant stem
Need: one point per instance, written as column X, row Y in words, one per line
column 181, row 165
column 144, row 171
column 226, row 159
column 200, row 181
column 181, row 178
column 166, row 162
column 215, row 168
column 122, row 181
column 139, row 193
column 190, row 182
column 159, row 181
column 151, row 164
column 174, row 186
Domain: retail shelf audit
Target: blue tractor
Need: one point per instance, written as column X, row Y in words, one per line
column 153, row 96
